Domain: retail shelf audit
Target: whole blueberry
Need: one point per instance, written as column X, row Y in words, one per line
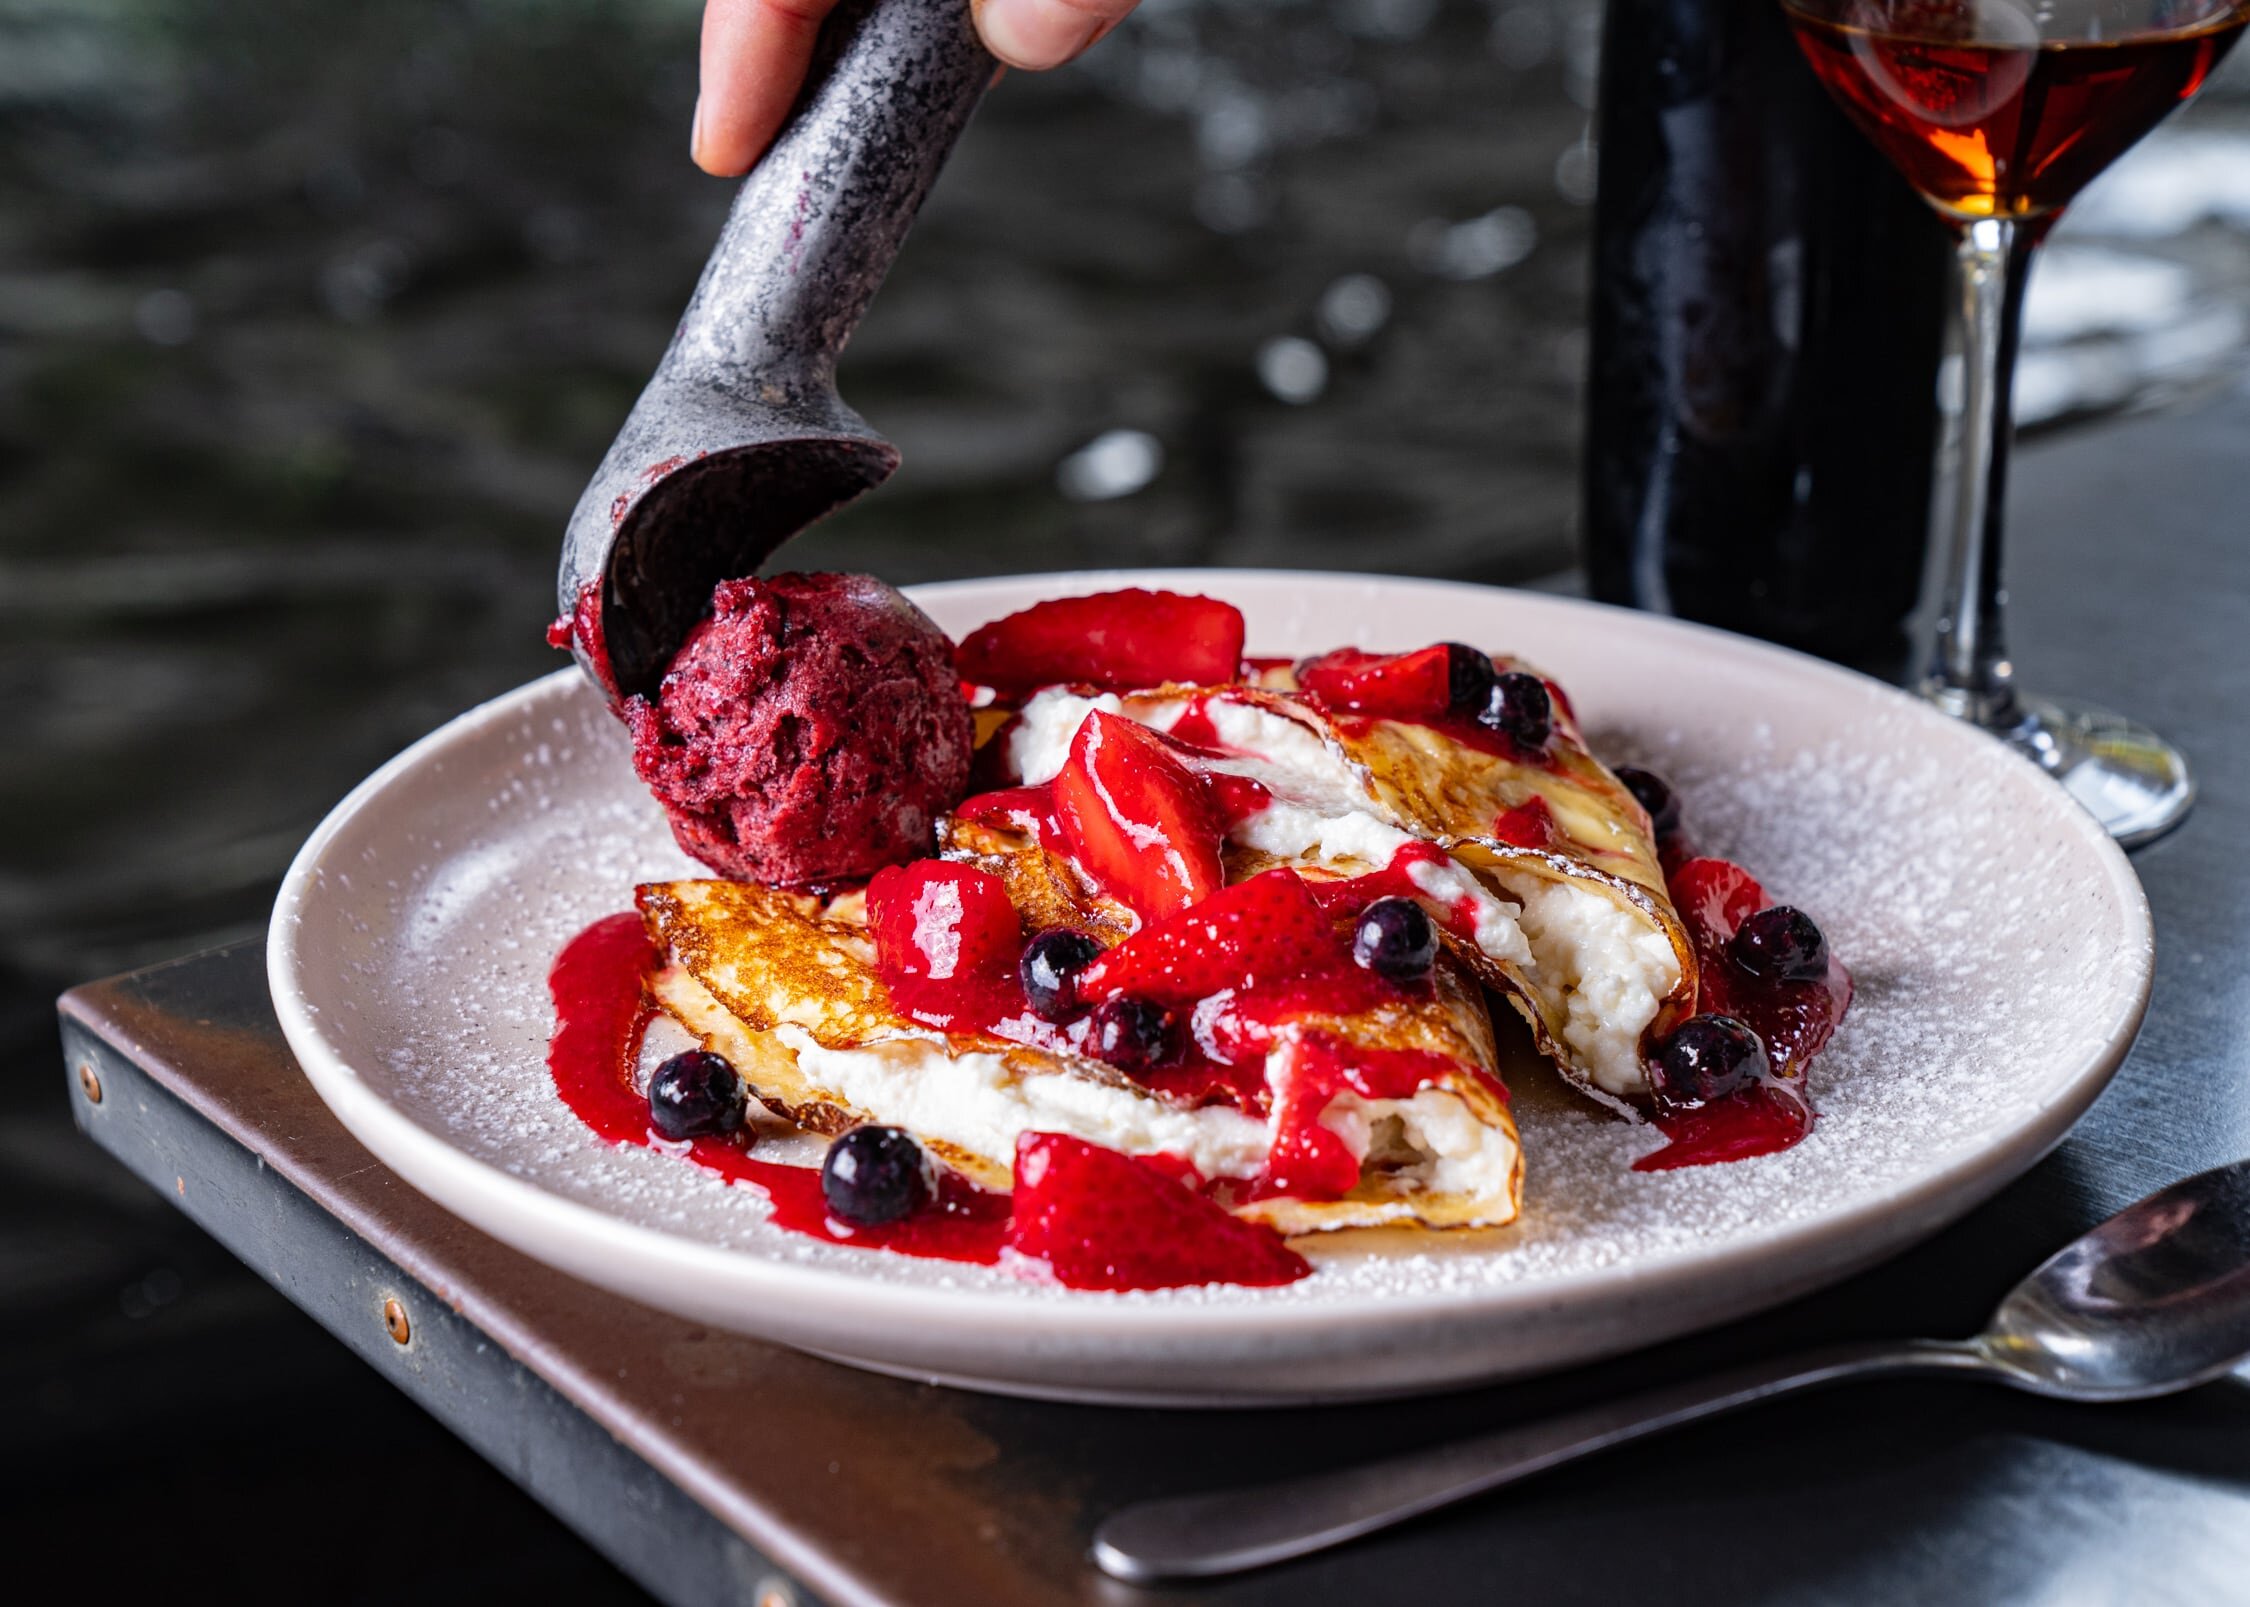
column 1396, row 939
column 1655, row 795
column 1469, row 677
column 693, row 1095
column 1132, row 1034
column 1520, row 709
column 1707, row 1058
column 1781, row 944
column 1049, row 970
column 875, row 1175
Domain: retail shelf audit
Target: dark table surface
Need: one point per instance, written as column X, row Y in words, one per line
column 2132, row 587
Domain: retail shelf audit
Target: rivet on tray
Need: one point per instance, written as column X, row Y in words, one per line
column 394, row 1321
column 775, row 1593
column 88, row 1083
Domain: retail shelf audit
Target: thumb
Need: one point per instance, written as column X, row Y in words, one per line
column 1037, row 34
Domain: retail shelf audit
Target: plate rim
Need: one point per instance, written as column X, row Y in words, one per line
column 417, row 1152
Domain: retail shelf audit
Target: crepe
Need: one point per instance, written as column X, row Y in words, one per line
column 1591, row 951
column 785, row 986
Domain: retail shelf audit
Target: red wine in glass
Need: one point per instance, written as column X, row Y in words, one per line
column 1997, row 127
column 1999, row 112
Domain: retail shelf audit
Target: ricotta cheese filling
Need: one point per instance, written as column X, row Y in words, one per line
column 1427, row 1144
column 977, row 1101
column 1431, row 1144
column 1039, row 741
column 1608, row 969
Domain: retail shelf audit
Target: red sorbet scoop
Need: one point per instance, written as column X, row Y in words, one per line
column 810, row 730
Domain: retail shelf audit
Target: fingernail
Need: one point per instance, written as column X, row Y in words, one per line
column 695, row 135
column 1036, row 34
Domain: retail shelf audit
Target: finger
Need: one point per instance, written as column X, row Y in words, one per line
column 1037, row 34
column 755, row 53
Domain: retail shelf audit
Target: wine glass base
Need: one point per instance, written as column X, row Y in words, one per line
column 2124, row 775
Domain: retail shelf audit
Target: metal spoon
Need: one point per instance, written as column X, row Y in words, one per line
column 2156, row 1299
column 740, row 439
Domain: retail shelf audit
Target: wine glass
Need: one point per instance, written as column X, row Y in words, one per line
column 1999, row 112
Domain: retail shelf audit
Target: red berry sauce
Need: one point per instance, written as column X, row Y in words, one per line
column 1762, row 1119
column 1311, row 1160
column 601, row 1010
column 1530, row 824
column 1112, row 1223
column 582, row 627
column 1346, row 897
column 1794, row 1020
column 1195, row 728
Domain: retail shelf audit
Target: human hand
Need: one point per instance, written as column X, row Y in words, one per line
column 755, row 53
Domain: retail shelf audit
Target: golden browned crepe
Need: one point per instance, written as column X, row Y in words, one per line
column 784, row 985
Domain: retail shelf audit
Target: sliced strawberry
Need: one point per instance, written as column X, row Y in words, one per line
column 1103, row 1220
column 1716, row 896
column 1399, row 686
column 1265, row 931
column 940, row 920
column 1530, row 824
column 1119, row 640
column 1030, row 810
column 1137, row 819
column 946, row 943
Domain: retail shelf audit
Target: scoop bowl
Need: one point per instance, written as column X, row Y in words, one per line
column 740, row 439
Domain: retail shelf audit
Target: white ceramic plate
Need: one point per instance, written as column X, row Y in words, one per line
column 2000, row 941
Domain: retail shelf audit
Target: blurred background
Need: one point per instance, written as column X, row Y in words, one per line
column 315, row 318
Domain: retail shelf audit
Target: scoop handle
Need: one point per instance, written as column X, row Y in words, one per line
column 818, row 221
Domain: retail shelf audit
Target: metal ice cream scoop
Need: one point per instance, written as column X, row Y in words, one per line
column 2155, row 1300
column 740, row 439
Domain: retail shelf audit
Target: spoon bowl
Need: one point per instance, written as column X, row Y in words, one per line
column 2156, row 1299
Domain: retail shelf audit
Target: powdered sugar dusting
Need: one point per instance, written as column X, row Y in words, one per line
column 1993, row 962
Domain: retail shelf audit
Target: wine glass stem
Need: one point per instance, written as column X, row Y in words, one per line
column 1969, row 672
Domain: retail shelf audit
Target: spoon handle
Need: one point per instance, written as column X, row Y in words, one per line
column 1201, row 1536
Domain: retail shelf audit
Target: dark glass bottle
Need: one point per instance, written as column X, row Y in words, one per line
column 1768, row 315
